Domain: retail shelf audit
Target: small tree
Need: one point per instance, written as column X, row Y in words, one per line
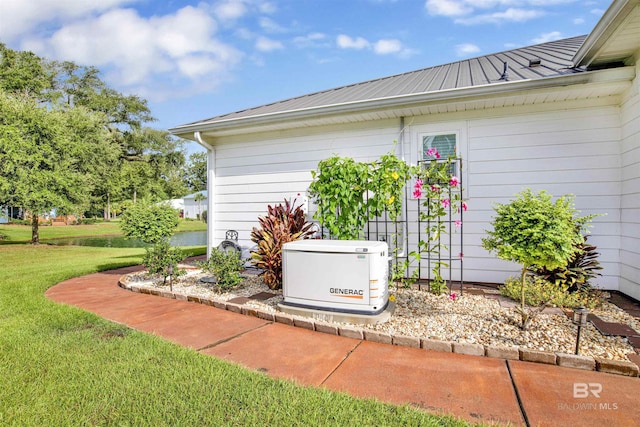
column 154, row 224
column 199, row 197
column 534, row 231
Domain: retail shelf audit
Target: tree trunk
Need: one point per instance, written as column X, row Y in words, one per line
column 135, row 194
column 35, row 237
column 107, row 212
column 523, row 312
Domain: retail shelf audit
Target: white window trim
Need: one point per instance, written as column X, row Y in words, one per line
column 462, row 146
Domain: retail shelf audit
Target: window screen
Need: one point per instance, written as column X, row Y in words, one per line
column 445, row 144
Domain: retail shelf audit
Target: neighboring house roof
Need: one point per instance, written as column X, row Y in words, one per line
column 193, row 196
column 551, row 64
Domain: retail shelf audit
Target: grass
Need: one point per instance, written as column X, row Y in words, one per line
column 63, row 366
column 22, row 233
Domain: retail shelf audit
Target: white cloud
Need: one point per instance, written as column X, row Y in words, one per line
column 267, row 7
column 385, row 47
column 578, row 21
column 230, row 9
column 311, row 40
column 346, row 42
column 380, row 47
column 597, row 12
column 466, row 49
column 473, row 12
column 156, row 57
column 270, row 25
column 548, row 37
column 264, row 44
column 448, row 7
column 20, row 16
column 509, row 15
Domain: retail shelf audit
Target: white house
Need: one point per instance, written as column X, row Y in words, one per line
column 194, row 205
column 562, row 116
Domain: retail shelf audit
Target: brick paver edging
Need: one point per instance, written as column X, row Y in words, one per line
column 508, row 353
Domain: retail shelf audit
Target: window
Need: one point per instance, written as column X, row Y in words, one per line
column 444, row 145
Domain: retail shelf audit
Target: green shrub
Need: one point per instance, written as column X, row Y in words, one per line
column 162, row 258
column 581, row 268
column 226, row 266
column 204, row 216
column 150, row 223
column 282, row 224
column 538, row 292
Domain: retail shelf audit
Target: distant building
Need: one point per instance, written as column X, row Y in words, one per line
column 193, row 208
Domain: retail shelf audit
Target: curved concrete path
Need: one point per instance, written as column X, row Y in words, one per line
column 478, row 389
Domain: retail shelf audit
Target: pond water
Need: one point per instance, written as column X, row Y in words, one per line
column 185, row 238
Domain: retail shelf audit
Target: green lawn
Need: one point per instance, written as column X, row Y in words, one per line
column 62, row 366
column 22, row 233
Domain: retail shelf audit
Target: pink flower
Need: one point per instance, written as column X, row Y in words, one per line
column 432, row 152
column 464, row 206
column 446, row 203
column 458, row 223
column 453, row 296
column 417, row 193
column 461, row 255
column 418, row 184
column 454, row 181
column 435, row 188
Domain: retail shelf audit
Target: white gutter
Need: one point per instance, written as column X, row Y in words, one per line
column 487, row 90
column 211, row 192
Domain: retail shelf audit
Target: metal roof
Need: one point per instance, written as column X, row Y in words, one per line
column 540, row 61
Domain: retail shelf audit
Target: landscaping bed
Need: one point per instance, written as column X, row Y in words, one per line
column 466, row 319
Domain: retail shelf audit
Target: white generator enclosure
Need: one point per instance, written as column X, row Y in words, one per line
column 349, row 276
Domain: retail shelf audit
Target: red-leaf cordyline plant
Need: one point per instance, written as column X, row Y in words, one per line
column 282, row 224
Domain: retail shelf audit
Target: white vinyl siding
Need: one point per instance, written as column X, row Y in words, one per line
column 562, row 152
column 630, row 194
column 564, row 148
column 262, row 169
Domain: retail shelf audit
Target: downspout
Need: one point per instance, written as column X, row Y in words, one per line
column 403, row 217
column 211, row 191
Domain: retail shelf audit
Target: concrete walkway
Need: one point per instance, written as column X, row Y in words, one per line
column 478, row 389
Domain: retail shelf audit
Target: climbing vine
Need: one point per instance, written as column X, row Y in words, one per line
column 350, row 193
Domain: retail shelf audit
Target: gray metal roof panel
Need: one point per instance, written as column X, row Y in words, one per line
column 556, row 59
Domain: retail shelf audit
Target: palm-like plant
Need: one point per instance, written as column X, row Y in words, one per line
column 581, row 268
column 282, row 224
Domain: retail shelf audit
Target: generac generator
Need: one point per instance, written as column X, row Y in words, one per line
column 348, row 276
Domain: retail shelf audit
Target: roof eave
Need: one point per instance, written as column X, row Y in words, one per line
column 604, row 29
column 495, row 89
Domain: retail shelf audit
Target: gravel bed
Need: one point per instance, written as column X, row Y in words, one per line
column 465, row 319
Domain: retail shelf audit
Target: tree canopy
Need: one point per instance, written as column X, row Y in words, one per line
column 71, row 143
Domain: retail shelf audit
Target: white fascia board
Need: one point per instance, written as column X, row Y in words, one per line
column 494, row 89
column 604, row 29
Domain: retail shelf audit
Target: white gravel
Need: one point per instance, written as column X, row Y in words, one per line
column 467, row 319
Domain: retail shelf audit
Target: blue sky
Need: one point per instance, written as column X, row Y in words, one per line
column 197, row 59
